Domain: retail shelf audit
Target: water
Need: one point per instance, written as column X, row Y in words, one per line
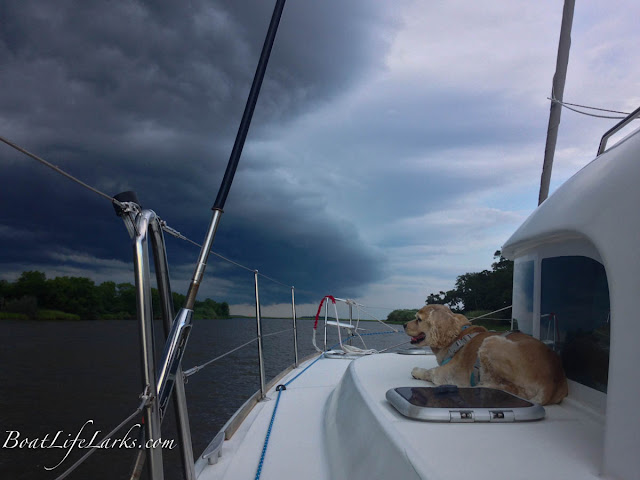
column 57, row 376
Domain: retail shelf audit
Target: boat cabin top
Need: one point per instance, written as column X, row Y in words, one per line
column 576, row 284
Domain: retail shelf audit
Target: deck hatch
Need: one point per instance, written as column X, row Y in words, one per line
column 462, row 405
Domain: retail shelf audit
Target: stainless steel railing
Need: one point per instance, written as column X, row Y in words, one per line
column 616, row 128
column 167, row 378
column 263, row 393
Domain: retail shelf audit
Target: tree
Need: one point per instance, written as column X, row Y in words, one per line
column 451, row 299
column 401, row 316
column 73, row 295
column 107, row 295
column 32, row 292
column 32, row 283
column 502, row 280
column 178, row 300
column 5, row 291
column 223, row 309
column 27, row 305
column 485, row 290
column 211, row 309
column 126, row 299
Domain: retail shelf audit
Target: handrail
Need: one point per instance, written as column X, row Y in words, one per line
column 259, row 332
column 168, row 314
column 164, row 381
column 617, row 127
column 139, row 223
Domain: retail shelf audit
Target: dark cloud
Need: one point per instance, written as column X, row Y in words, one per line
column 147, row 96
column 107, row 68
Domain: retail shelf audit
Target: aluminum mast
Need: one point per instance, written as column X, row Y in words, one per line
column 557, row 93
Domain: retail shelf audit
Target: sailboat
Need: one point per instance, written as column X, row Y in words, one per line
column 576, row 278
column 575, row 281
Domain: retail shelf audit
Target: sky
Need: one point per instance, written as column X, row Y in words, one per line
column 395, row 145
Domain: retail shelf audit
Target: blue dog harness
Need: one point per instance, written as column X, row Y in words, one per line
column 457, row 346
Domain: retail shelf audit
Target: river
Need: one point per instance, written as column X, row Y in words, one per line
column 61, row 376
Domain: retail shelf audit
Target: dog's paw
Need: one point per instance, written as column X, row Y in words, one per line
column 421, row 374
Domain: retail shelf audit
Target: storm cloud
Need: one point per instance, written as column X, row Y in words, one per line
column 394, row 144
column 147, row 96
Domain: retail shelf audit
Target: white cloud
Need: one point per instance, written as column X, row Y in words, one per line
column 493, row 63
column 476, row 46
column 85, row 259
column 10, row 232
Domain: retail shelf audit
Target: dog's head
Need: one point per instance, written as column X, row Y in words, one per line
column 435, row 326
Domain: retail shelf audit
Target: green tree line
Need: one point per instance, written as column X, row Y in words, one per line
column 35, row 296
column 484, row 291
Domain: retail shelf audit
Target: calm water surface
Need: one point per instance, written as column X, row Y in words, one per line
column 57, row 376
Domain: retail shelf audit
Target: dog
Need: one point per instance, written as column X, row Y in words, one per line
column 470, row 355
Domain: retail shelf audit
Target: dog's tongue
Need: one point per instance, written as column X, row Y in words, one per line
column 417, row 339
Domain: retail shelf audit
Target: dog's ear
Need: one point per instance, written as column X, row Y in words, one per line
column 464, row 320
column 445, row 326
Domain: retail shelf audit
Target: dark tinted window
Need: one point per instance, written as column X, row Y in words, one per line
column 575, row 317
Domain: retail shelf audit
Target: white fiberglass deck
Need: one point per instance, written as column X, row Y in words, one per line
column 295, row 447
column 334, row 422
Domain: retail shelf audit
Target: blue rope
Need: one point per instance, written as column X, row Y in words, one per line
column 334, row 346
column 275, row 408
column 273, row 416
column 266, row 440
column 378, row 333
column 305, row 369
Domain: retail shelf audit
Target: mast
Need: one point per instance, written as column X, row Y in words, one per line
column 557, row 93
column 235, row 156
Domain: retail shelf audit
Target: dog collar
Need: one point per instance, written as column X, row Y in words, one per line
column 457, row 345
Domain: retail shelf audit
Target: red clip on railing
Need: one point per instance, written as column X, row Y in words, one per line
column 330, row 297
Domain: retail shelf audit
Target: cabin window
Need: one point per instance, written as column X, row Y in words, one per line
column 523, row 296
column 574, row 317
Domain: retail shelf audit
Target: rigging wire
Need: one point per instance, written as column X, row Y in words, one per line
column 145, row 398
column 570, row 106
column 377, row 319
column 272, row 279
column 596, row 108
column 60, row 171
column 265, row 335
column 196, row 369
column 175, row 233
column 471, row 319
